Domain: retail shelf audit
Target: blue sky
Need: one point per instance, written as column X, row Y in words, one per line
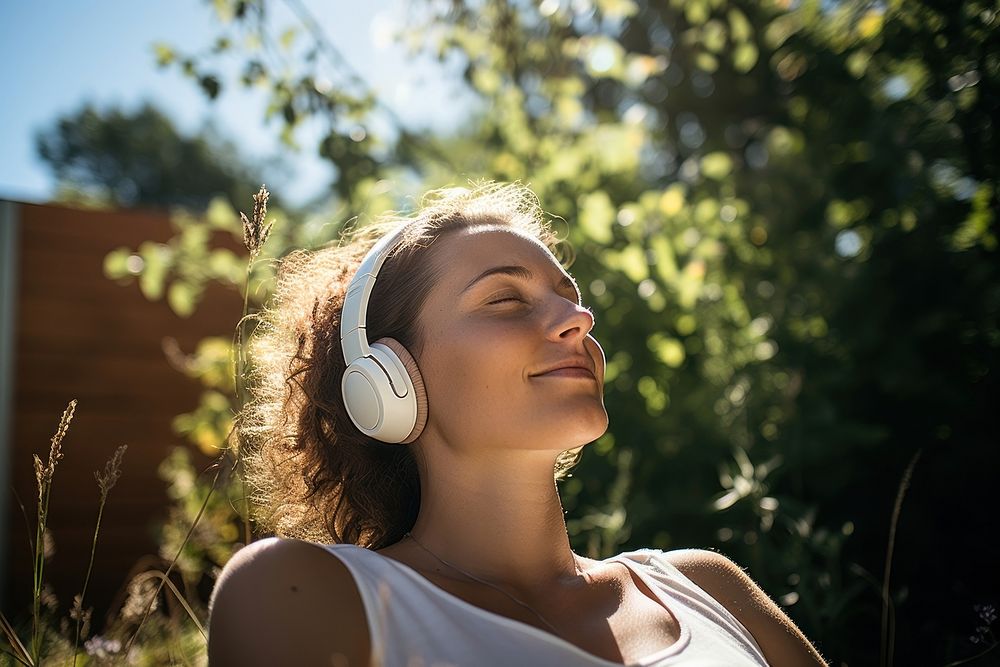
column 55, row 56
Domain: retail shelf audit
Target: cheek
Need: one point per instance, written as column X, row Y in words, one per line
column 474, row 367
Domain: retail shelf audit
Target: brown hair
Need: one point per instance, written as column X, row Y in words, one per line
column 311, row 473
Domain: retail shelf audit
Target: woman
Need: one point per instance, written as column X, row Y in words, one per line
column 431, row 528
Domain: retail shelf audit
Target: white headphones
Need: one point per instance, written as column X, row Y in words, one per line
column 382, row 387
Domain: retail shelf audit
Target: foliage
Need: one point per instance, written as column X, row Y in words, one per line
column 771, row 198
column 44, row 640
column 198, row 538
column 216, row 535
column 784, row 214
column 304, row 78
column 785, row 217
column 117, row 158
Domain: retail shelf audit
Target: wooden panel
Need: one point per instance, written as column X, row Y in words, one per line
column 81, row 335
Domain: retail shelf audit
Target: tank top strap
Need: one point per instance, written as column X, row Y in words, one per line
column 697, row 600
column 375, row 580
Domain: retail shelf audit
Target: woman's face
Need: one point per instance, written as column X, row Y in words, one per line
column 489, row 335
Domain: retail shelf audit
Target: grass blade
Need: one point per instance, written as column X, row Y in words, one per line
column 105, row 481
column 165, row 575
column 156, row 574
column 888, row 629
column 20, row 652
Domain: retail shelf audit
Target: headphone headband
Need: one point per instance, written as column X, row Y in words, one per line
column 354, row 314
column 384, row 398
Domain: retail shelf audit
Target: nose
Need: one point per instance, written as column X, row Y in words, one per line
column 572, row 321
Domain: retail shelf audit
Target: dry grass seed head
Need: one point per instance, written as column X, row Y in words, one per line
column 77, row 612
column 112, row 471
column 48, row 598
column 140, row 590
column 48, row 544
column 40, row 475
column 255, row 232
column 44, row 474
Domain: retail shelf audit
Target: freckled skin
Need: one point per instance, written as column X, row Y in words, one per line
column 478, row 355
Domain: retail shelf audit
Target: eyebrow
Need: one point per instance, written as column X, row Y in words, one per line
column 522, row 273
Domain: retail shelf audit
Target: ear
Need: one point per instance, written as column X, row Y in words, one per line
column 420, row 393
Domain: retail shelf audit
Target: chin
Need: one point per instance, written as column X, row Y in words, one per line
column 584, row 429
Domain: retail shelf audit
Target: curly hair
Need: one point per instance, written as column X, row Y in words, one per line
column 311, row 473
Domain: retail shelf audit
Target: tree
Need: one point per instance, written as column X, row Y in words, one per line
column 802, row 196
column 139, row 158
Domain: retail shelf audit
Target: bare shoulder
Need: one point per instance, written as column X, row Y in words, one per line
column 721, row 578
column 777, row 635
column 283, row 601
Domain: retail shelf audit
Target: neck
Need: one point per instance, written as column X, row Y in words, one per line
column 500, row 520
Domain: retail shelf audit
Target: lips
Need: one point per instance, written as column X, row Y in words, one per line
column 569, row 371
column 570, row 367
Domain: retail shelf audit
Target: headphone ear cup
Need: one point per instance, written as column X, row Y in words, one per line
column 379, row 395
column 419, row 391
column 366, row 389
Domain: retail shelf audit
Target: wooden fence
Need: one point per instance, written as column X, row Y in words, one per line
column 70, row 332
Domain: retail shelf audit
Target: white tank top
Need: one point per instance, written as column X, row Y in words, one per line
column 414, row 623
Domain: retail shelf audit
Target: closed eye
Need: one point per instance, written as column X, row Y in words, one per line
column 509, row 298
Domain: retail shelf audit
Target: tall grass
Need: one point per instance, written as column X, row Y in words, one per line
column 43, row 478
column 105, row 481
column 888, row 617
column 44, row 474
column 256, row 232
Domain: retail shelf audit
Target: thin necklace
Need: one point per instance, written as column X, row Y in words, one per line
column 482, row 581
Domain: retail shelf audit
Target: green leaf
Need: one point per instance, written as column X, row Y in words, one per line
column 224, row 10
column 667, row 349
column 745, row 57
column 696, row 11
column 706, row 211
column 226, row 266
column 155, row 267
column 596, row 216
column 617, row 9
column 713, row 36
column 739, row 26
column 783, row 141
column 116, row 263
column 840, row 213
column 672, row 200
column 781, row 28
column 287, row 38
column 975, row 229
column 870, row 24
column 717, row 165
column 616, row 147
column 656, row 398
column 634, row 264
column 220, row 215
column 706, row 62
column 164, row 54
column 210, row 85
column 666, row 260
column 487, row 81
column 182, row 297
